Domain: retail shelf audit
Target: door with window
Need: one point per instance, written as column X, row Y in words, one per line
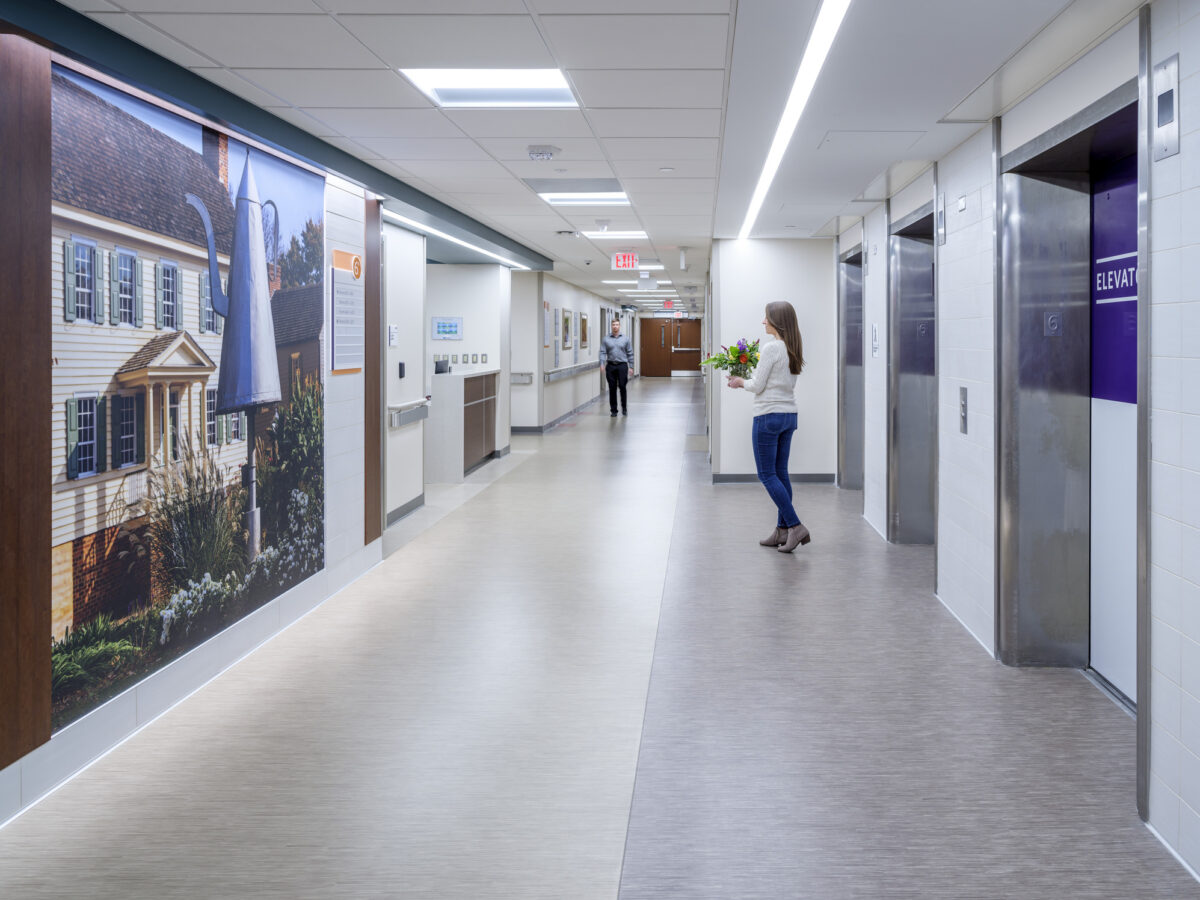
column 670, row 346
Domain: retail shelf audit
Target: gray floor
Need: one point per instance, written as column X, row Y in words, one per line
column 584, row 679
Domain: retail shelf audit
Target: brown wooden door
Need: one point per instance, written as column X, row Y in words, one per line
column 685, row 349
column 657, row 341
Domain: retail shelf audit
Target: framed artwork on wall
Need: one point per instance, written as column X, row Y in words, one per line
column 583, row 330
column 567, row 316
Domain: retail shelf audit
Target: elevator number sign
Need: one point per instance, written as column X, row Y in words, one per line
column 624, row 261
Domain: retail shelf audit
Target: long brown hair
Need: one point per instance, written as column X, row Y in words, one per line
column 781, row 316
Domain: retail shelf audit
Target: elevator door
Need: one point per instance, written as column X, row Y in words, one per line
column 851, row 390
column 913, row 431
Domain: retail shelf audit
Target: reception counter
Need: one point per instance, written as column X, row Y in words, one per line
column 460, row 434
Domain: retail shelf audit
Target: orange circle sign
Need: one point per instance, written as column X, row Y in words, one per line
column 357, row 267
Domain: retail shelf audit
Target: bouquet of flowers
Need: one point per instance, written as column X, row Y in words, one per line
column 740, row 359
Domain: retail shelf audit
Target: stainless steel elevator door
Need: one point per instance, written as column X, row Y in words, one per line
column 1045, row 415
column 913, row 464
column 851, row 408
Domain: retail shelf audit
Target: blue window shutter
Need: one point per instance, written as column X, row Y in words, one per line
column 69, row 281
column 72, row 440
column 101, row 434
column 158, row 295
column 137, row 294
column 139, row 409
column 114, row 289
column 203, row 305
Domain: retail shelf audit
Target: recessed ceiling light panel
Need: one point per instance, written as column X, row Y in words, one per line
column 585, row 198
column 493, row 88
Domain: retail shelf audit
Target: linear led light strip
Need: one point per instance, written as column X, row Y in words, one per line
column 829, row 20
column 404, row 220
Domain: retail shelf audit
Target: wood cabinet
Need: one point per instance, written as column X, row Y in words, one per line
column 479, row 420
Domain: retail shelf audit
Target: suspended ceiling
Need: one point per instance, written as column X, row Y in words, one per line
column 678, row 99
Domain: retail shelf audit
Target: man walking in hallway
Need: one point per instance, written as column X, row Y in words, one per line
column 616, row 358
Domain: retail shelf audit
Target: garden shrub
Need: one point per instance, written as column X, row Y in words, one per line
column 200, row 608
column 194, row 525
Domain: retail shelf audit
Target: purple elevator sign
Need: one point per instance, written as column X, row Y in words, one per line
column 1114, row 283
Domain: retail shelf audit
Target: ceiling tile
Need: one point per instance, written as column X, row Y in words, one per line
column 378, row 87
column 475, row 185
column 85, row 6
column 143, row 34
column 351, row 147
column 238, row 85
column 477, row 42
column 657, row 42
column 648, row 205
column 432, row 170
column 221, row 6
column 529, row 168
column 399, row 149
column 299, row 119
column 632, row 7
column 520, row 123
column 652, row 123
column 651, row 168
column 569, row 150
column 584, row 218
column 654, row 88
column 314, row 42
column 663, row 150
column 636, row 187
column 412, row 7
column 387, row 123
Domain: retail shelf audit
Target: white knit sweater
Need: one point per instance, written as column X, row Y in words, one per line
column 772, row 383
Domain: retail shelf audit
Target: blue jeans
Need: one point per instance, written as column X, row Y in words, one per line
column 772, row 435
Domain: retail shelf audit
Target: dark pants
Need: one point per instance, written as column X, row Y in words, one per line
column 772, row 435
column 617, row 374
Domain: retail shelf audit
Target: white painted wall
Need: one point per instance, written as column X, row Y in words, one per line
column 1175, row 449
column 966, row 358
column 345, row 467
column 404, row 308
column 1100, row 72
column 913, row 196
column 746, row 276
column 527, row 348
column 875, row 319
column 481, row 295
column 563, row 397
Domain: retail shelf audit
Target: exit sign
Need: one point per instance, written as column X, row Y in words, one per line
column 678, row 314
column 624, row 261
column 668, row 304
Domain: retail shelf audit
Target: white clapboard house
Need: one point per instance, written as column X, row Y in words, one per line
column 136, row 342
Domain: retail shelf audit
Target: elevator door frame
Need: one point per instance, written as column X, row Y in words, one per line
column 1137, row 91
column 849, row 468
column 897, row 532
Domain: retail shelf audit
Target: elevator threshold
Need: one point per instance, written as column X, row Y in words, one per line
column 1107, row 687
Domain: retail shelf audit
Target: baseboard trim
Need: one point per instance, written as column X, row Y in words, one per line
column 542, row 429
column 401, row 511
column 803, row 478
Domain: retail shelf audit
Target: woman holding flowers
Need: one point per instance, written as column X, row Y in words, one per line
column 773, row 383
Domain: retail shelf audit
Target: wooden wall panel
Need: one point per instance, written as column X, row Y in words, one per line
column 373, row 377
column 25, row 372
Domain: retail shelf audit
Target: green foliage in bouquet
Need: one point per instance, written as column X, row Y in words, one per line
column 740, row 359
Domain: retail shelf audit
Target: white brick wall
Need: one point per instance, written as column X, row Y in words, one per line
column 966, row 342
column 1175, row 449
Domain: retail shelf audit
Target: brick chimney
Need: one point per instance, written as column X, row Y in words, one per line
column 215, row 149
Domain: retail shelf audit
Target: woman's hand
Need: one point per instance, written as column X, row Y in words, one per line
column 735, row 382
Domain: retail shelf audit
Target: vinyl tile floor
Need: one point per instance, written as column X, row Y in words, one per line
column 578, row 676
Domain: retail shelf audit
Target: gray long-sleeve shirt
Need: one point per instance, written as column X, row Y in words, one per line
column 616, row 349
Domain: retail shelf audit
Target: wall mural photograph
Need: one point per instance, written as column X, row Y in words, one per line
column 188, row 424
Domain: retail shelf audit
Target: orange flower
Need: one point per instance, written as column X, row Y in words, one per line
column 743, row 358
